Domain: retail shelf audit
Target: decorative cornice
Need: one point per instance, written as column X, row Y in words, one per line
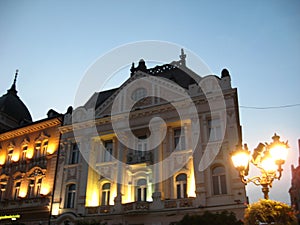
column 141, row 112
column 30, row 128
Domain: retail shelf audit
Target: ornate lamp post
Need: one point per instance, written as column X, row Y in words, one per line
column 268, row 158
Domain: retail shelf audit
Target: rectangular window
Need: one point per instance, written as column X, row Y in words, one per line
column 179, row 139
column 74, row 154
column 142, row 147
column 24, row 153
column 38, row 186
column 9, row 155
column 105, row 197
column 142, row 194
column 17, row 190
column 108, row 151
column 214, row 129
column 223, row 184
column 178, row 191
column 31, row 189
column 70, row 196
column 37, row 149
column 216, row 188
column 44, row 148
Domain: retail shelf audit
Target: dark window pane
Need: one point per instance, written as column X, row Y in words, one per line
column 139, row 192
column 145, row 194
column 223, row 184
column 216, row 185
column 178, row 191
column 184, row 191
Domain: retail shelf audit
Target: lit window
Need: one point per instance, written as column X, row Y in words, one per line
column 24, row 153
column 108, row 151
column 179, row 139
column 37, row 149
column 38, row 186
column 34, row 184
column 105, row 194
column 138, row 94
column 44, row 148
column 141, row 190
column 214, row 129
column 9, row 155
column 70, row 196
column 31, row 188
column 181, row 182
column 74, row 154
column 219, row 180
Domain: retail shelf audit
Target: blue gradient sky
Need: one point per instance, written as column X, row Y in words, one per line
column 53, row 43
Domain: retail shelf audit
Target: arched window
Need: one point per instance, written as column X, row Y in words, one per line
column 219, row 180
column 105, row 197
column 70, row 195
column 181, row 181
column 141, row 190
column 34, row 183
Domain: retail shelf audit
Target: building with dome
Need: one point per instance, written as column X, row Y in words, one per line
column 28, row 157
column 13, row 112
column 119, row 164
column 145, row 153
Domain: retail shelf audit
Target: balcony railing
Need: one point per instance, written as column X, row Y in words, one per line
column 135, row 158
column 26, row 202
column 140, row 207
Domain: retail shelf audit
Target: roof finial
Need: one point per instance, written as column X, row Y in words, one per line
column 182, row 57
column 16, row 74
column 13, row 86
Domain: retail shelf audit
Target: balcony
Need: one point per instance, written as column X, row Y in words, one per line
column 179, row 203
column 104, row 209
column 136, row 206
column 135, row 158
column 26, row 202
column 142, row 207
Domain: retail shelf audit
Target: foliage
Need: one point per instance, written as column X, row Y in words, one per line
column 224, row 218
column 269, row 212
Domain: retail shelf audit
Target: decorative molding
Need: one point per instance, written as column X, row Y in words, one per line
column 30, row 129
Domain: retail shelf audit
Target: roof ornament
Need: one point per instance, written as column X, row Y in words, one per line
column 182, row 57
column 13, row 86
column 132, row 69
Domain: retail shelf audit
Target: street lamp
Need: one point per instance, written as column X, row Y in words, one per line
column 268, row 158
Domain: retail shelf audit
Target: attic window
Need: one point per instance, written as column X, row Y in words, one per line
column 138, row 94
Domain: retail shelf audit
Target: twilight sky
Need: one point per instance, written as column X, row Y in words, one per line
column 53, row 43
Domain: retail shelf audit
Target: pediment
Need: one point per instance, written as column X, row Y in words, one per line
column 157, row 90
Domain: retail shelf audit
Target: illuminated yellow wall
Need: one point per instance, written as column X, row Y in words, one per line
column 191, row 185
column 92, row 189
column 23, row 189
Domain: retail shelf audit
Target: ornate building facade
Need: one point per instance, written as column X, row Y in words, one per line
column 120, row 164
column 28, row 156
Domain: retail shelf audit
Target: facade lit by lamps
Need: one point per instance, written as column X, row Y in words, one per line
column 268, row 158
